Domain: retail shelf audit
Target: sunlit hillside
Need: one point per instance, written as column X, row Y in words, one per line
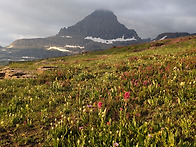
column 138, row 95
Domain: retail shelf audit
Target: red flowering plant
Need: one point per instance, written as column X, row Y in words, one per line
column 126, row 96
column 99, row 105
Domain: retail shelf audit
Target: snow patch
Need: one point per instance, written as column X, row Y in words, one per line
column 10, row 46
column 65, row 48
column 73, row 46
column 27, row 57
column 58, row 48
column 66, row 36
column 163, row 38
column 109, row 41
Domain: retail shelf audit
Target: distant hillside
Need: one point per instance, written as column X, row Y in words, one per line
column 171, row 35
column 194, row 34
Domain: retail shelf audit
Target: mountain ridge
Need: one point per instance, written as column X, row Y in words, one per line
column 170, row 35
column 97, row 31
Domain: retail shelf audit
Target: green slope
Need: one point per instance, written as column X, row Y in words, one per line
column 139, row 95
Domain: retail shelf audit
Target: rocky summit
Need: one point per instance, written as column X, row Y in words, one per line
column 99, row 30
column 100, row 24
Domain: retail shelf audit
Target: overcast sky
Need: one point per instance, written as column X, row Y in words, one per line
column 43, row 18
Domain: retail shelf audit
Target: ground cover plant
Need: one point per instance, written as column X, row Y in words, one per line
column 139, row 95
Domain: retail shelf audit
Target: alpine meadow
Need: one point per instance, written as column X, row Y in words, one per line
column 137, row 95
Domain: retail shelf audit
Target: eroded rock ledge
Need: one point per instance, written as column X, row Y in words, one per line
column 12, row 73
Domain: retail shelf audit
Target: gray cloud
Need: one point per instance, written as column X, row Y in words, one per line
column 42, row 18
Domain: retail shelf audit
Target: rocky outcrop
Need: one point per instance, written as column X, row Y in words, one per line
column 41, row 70
column 14, row 73
column 11, row 73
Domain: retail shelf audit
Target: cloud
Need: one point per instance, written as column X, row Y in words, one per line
column 43, row 18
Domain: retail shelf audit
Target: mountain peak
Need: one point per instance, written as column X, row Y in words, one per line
column 101, row 24
column 103, row 13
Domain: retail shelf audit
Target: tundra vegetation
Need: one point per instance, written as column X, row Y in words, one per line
column 138, row 95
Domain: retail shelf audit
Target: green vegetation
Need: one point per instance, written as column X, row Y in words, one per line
column 140, row 95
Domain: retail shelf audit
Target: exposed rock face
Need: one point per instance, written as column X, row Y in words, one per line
column 100, row 30
column 8, row 73
column 102, row 24
column 171, row 35
column 14, row 73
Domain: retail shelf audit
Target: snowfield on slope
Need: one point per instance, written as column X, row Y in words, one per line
column 109, row 41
